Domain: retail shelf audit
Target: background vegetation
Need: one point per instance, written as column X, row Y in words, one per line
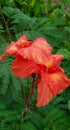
column 47, row 18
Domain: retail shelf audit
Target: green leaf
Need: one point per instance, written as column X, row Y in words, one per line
column 69, row 104
column 64, row 52
column 28, row 126
column 56, row 119
column 8, row 11
column 67, row 29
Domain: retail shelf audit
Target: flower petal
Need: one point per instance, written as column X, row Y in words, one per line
column 57, row 59
column 23, row 68
column 54, row 61
column 43, row 45
column 12, row 49
column 57, row 81
column 2, row 58
column 44, row 93
column 39, row 51
column 23, row 37
column 33, row 53
column 23, row 42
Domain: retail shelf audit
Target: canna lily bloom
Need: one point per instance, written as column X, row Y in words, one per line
column 36, row 58
column 53, row 80
column 39, row 51
column 51, row 84
column 27, row 66
column 13, row 48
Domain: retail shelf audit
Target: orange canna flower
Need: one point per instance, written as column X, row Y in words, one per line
column 23, row 67
column 13, row 48
column 50, row 85
column 36, row 57
column 53, row 80
column 39, row 51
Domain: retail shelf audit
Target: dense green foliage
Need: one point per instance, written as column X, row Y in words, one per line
column 35, row 19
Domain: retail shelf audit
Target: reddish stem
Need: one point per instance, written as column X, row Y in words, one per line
column 30, row 97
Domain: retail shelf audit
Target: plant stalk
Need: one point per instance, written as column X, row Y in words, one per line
column 6, row 25
column 30, row 97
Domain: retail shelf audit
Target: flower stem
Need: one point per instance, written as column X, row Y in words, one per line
column 30, row 97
